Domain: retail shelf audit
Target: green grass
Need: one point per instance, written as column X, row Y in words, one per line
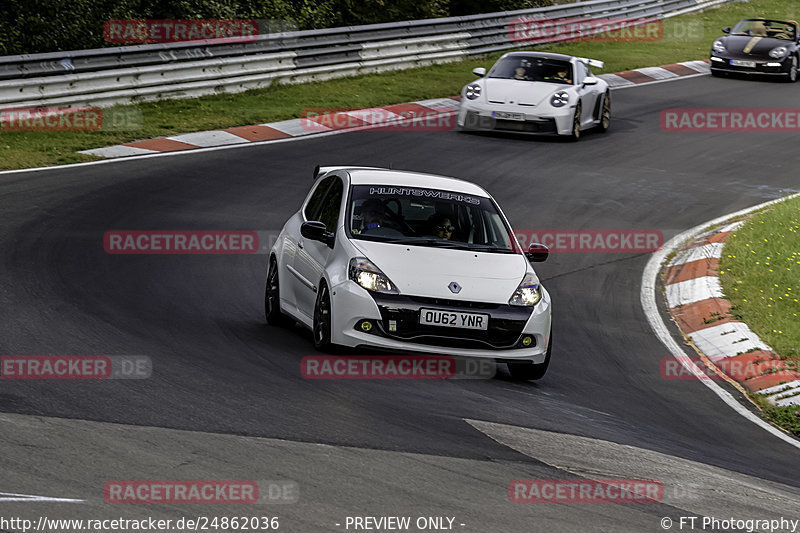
column 685, row 38
column 786, row 417
column 760, row 275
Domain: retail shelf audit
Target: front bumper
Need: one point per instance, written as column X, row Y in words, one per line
column 507, row 326
column 773, row 67
column 480, row 116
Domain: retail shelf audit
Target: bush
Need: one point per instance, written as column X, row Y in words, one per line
column 54, row 25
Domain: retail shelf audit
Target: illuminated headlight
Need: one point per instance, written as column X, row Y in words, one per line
column 778, row 52
column 718, row 47
column 560, row 99
column 473, row 91
column 528, row 293
column 365, row 273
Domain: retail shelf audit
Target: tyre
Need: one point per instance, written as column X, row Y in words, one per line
column 272, row 297
column 791, row 77
column 322, row 320
column 530, row 371
column 575, row 134
column 605, row 113
column 717, row 74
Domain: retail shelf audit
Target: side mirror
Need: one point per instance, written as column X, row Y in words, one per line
column 726, row 29
column 479, row 71
column 316, row 231
column 590, row 81
column 537, row 253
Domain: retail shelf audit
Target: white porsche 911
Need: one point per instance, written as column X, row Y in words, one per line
column 410, row 262
column 537, row 92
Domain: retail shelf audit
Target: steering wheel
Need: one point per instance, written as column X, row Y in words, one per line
column 397, row 217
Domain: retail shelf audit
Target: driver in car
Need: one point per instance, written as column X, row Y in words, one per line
column 373, row 213
column 560, row 76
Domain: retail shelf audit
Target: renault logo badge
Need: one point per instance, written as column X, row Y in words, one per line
column 454, row 287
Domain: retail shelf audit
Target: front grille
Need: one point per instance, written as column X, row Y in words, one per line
column 400, row 320
column 529, row 126
column 453, row 303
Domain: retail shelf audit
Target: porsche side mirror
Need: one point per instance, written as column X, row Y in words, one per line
column 316, row 231
column 537, row 253
column 590, row 81
column 479, row 71
column 726, row 29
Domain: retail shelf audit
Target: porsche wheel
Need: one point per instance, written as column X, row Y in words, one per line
column 322, row 320
column 575, row 134
column 530, row 371
column 791, row 77
column 717, row 73
column 605, row 113
column 272, row 298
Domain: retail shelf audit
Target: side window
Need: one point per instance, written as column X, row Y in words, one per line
column 580, row 72
column 331, row 205
column 315, row 202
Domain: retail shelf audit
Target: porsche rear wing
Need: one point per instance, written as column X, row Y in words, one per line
column 592, row 62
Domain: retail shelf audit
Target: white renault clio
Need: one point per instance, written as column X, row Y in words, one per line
column 404, row 261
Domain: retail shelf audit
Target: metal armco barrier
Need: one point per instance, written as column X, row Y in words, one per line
column 130, row 74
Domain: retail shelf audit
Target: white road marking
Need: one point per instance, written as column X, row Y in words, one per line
column 14, row 497
column 658, row 73
column 209, row 138
column 726, row 340
column 693, row 290
column 708, row 251
column 119, row 150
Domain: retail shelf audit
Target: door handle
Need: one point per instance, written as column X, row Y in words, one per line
column 300, row 244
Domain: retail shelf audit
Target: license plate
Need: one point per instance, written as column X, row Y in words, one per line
column 453, row 319
column 740, row 63
column 508, row 116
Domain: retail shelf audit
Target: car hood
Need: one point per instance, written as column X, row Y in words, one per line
column 428, row 271
column 520, row 92
column 752, row 47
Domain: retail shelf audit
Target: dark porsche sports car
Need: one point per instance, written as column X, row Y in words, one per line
column 758, row 46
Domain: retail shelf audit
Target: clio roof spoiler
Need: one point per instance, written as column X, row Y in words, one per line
column 320, row 170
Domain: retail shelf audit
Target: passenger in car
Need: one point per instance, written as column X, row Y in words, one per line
column 441, row 226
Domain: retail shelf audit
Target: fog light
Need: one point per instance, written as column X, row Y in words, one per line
column 774, row 64
column 366, row 326
column 527, row 341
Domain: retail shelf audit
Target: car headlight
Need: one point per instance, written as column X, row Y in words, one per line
column 528, row 293
column 473, row 91
column 778, row 52
column 718, row 47
column 559, row 99
column 365, row 273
